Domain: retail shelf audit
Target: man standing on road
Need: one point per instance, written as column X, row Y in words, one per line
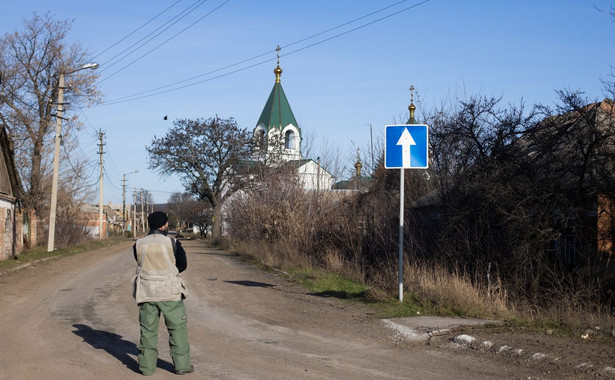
column 158, row 288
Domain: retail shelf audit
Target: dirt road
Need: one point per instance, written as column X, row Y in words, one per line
column 74, row 318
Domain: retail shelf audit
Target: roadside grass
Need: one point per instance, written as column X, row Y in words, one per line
column 40, row 253
column 448, row 303
column 326, row 284
column 432, row 291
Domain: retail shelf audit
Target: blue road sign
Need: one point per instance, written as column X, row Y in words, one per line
column 406, row 146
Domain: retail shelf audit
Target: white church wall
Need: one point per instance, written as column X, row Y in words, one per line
column 314, row 177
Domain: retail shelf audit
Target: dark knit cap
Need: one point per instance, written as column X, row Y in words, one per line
column 157, row 219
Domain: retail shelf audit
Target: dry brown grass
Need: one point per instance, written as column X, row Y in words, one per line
column 575, row 310
column 272, row 255
column 282, row 226
column 455, row 292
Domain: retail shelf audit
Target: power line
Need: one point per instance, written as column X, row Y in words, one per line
column 169, row 39
column 72, row 166
column 154, row 92
column 194, row 6
column 254, row 57
column 95, row 133
column 357, row 28
column 136, row 30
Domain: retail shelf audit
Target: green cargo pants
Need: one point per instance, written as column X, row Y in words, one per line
column 176, row 321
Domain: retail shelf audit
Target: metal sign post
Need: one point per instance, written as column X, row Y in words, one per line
column 405, row 147
column 400, row 270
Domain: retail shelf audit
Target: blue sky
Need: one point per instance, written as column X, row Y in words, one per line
column 447, row 49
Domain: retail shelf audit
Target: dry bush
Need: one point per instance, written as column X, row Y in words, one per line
column 272, row 212
column 453, row 291
column 272, row 254
column 69, row 233
column 576, row 309
column 277, row 217
column 70, row 225
column 333, row 261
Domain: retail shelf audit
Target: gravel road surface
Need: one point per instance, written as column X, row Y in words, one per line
column 74, row 318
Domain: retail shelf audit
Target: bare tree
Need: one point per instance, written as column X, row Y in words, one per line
column 201, row 216
column 181, row 205
column 30, row 64
column 207, row 155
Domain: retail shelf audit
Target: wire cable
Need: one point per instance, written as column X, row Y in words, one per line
column 265, row 53
column 154, row 92
column 169, row 39
column 194, row 6
column 136, row 30
column 72, row 166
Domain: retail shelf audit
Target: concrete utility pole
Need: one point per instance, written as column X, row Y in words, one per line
column 56, row 166
column 134, row 202
column 124, row 201
column 56, row 153
column 101, row 135
column 142, row 212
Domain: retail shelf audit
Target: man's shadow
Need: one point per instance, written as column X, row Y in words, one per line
column 117, row 347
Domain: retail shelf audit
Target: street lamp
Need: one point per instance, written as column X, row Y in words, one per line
column 56, row 154
column 124, row 200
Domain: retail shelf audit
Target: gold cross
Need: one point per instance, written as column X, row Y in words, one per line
column 278, row 51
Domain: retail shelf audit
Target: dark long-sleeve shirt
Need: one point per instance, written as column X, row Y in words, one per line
column 180, row 255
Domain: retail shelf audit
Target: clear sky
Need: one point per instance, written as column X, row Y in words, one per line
column 338, row 83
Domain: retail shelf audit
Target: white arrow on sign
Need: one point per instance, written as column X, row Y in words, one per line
column 406, row 141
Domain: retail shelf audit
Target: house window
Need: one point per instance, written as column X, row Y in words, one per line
column 289, row 140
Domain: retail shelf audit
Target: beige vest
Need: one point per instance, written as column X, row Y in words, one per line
column 157, row 277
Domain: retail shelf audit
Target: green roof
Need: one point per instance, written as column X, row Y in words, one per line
column 298, row 163
column 353, row 183
column 277, row 112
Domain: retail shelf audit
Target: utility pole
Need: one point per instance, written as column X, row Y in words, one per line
column 124, row 201
column 101, row 135
column 123, row 205
column 56, row 166
column 134, row 202
column 142, row 213
column 56, row 153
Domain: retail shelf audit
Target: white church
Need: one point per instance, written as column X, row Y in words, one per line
column 277, row 133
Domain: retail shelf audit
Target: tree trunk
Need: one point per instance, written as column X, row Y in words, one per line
column 35, row 198
column 217, row 225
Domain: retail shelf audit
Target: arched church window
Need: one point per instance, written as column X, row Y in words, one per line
column 289, row 140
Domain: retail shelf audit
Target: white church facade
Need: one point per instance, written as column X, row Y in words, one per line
column 278, row 139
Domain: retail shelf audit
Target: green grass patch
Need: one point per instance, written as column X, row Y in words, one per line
column 413, row 306
column 394, row 309
column 322, row 283
column 329, row 284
